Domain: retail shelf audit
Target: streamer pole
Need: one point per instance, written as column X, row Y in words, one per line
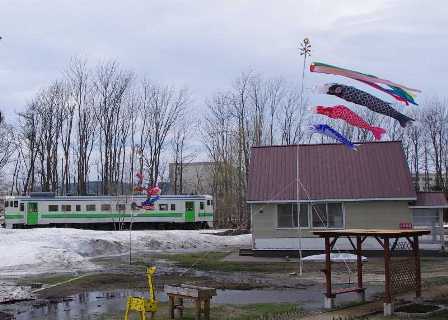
column 305, row 51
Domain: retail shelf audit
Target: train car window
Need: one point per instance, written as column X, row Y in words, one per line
column 106, row 207
column 208, row 202
column 121, row 207
column 201, row 205
column 22, row 206
column 163, row 207
column 134, row 206
column 53, row 207
column 90, row 207
column 78, row 207
column 6, row 204
column 16, row 204
column 11, row 204
column 173, row 207
column 66, row 207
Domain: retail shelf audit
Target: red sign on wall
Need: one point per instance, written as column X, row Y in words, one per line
column 405, row 225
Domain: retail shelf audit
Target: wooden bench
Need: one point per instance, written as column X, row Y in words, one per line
column 200, row 295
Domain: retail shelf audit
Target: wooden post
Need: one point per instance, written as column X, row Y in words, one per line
column 387, row 291
column 442, row 230
column 388, row 305
column 418, row 278
column 198, row 309
column 328, row 267
column 329, row 299
column 207, row 309
column 171, row 303
column 361, row 293
column 359, row 260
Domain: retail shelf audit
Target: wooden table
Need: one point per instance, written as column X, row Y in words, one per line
column 200, row 295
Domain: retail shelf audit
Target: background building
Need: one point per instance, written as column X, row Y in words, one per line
column 191, row 178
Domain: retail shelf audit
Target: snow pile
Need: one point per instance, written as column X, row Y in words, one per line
column 336, row 257
column 11, row 292
column 56, row 249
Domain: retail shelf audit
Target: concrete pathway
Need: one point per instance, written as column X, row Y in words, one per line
column 374, row 307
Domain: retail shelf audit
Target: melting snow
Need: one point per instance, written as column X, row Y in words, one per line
column 43, row 250
column 336, row 257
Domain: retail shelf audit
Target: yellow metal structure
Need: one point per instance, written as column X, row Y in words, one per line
column 142, row 305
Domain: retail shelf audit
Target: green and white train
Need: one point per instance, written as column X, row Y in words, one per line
column 46, row 209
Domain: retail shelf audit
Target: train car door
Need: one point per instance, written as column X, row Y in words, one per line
column 32, row 215
column 189, row 211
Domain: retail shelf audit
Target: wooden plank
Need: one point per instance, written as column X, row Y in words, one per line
column 177, row 290
column 189, row 291
column 351, row 242
column 372, row 232
column 333, row 242
column 347, row 290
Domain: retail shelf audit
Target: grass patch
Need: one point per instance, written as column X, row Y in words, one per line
column 435, row 281
column 45, row 280
column 213, row 261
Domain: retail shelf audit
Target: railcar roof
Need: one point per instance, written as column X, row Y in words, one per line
column 108, row 198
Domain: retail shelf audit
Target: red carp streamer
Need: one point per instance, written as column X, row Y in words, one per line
column 344, row 113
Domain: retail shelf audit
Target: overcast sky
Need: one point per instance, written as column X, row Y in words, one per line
column 204, row 45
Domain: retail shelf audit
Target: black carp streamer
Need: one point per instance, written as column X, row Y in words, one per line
column 351, row 94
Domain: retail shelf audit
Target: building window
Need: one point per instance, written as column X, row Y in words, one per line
column 163, row 207
column 22, row 207
column 90, row 207
column 106, row 207
column 426, row 217
column 287, row 215
column 121, row 207
column 303, row 216
column 53, row 208
column 201, row 205
column 173, row 207
column 319, row 214
column 327, row 215
column 335, row 215
column 16, row 204
column 66, row 207
column 78, row 207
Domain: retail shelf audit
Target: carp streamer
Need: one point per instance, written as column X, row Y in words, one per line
column 399, row 92
column 328, row 131
column 352, row 94
column 344, row 113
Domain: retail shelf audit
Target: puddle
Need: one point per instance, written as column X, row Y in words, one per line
column 89, row 305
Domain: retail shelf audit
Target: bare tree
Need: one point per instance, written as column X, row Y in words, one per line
column 110, row 86
column 161, row 109
column 78, row 77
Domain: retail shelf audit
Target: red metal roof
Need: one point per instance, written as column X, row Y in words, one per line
column 378, row 170
column 431, row 199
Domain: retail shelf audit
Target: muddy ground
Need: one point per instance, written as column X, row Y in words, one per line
column 266, row 285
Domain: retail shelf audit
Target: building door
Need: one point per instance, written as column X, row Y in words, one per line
column 32, row 216
column 189, row 211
